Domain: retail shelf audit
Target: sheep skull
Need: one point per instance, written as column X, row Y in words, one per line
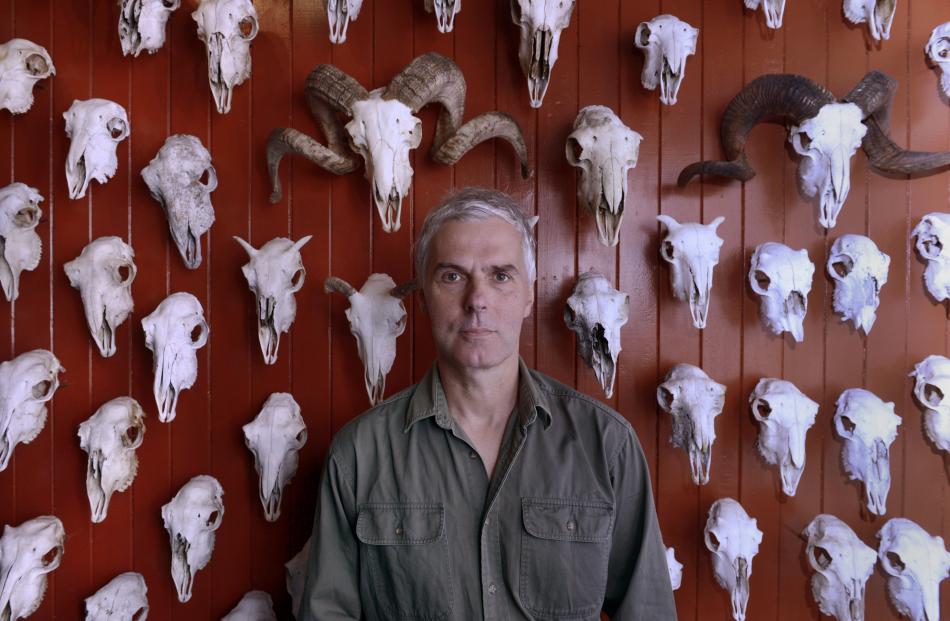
column 227, row 28
column 932, row 390
column 445, row 12
column 938, row 51
column 20, row 213
column 879, row 14
column 541, row 23
column 595, row 312
column 782, row 278
column 22, row 64
column 666, row 42
column 28, row 553
column 842, row 564
column 859, row 270
column 95, row 128
column 142, row 24
column 124, row 598
column 773, row 10
column 191, row 518
column 26, row 383
column 916, row 563
column 933, row 245
column 785, row 415
column 733, row 538
column 692, row 250
column 339, row 15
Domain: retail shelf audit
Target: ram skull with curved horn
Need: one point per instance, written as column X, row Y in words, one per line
column 22, row 248
column 932, row 390
column 227, row 28
column 124, row 598
column 933, row 245
column 142, row 24
column 773, row 10
column 782, row 278
column 824, row 131
column 842, row 563
column 22, row 64
column 95, row 128
column 859, row 270
column 938, row 52
column 915, row 563
column 26, row 383
column 28, row 553
column 445, row 12
column 541, row 23
column 339, row 15
column 692, row 250
column 733, row 538
column 784, row 415
column 879, row 14
column 666, row 42
column 383, row 129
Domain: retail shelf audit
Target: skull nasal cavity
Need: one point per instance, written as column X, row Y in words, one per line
column 40, row 390
column 822, row 557
column 932, row 394
column 36, row 64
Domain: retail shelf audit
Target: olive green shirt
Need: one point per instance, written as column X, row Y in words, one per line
column 409, row 526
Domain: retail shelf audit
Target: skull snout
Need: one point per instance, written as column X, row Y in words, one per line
column 539, row 71
column 445, row 11
column 339, row 17
column 740, row 595
column 878, row 482
column 267, row 331
column 98, row 502
column 836, row 187
column 182, row 573
column 388, row 205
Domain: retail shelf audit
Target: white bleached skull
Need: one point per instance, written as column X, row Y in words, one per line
column 20, row 213
column 666, row 42
column 227, row 28
column 191, row 518
column 28, row 553
column 773, row 10
column 110, row 437
column 676, row 569
column 938, row 52
column 275, row 437
column 782, row 277
column 295, row 574
column 932, row 390
column 26, row 383
column 784, row 415
column 174, row 332
column 254, row 606
column 603, row 150
column 95, row 128
column 22, row 64
column 541, row 23
column 694, row 401
column 859, row 270
column 274, row 273
column 842, row 564
column 933, row 245
column 142, row 24
column 103, row 272
column 596, row 312
column 181, row 178
column 692, row 250
column 445, row 12
column 868, row 427
column 879, row 14
column 915, row 563
column 124, row 598
column 339, row 15
column 733, row 538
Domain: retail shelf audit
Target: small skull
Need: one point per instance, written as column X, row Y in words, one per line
column 666, row 42
column 916, row 563
column 20, row 213
column 938, row 52
column 26, row 383
column 28, row 552
column 932, row 390
column 339, row 14
column 785, row 415
column 596, row 312
column 295, row 574
column 22, row 64
column 676, row 569
column 933, row 245
column 254, row 606
column 142, row 24
column 692, row 250
column 191, row 518
column 227, row 28
column 782, row 277
column 859, row 270
column 879, row 14
column 774, row 10
column 124, row 598
column 842, row 564
column 95, row 128
column 733, row 538
column 541, row 23
column 445, row 12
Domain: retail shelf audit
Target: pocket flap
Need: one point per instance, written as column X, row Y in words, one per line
column 399, row 523
column 567, row 520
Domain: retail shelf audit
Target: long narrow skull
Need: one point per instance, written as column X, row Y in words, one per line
column 932, row 390
column 782, row 277
column 842, row 564
column 541, row 23
column 733, row 538
column 339, row 15
column 295, row 574
column 275, row 273
column 191, row 518
column 692, row 250
column 254, row 606
column 916, row 563
column 603, row 149
column 103, row 273
column 22, row 64
column 181, row 178
column 28, row 552
column 859, row 270
column 227, row 28
column 868, row 427
column 142, row 24
column 938, row 52
column 666, row 42
column 785, row 415
column 173, row 333
column 26, row 383
column 933, row 245
column 124, row 598
column 596, row 312
column 773, row 10
column 676, row 569
column 879, row 14
column 274, row 437
column 20, row 213
column 445, row 12
column 110, row 438
column 95, row 128
column 694, row 401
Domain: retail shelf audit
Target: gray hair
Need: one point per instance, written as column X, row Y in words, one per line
column 477, row 204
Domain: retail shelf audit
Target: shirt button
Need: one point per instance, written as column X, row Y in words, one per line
column 399, row 531
column 571, row 525
column 492, row 588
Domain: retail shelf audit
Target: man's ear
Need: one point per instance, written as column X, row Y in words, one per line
column 530, row 304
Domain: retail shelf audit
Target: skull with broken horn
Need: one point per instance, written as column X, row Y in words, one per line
column 541, row 23
column 227, row 28
column 784, row 415
column 842, row 564
column 733, row 538
column 20, row 213
column 95, row 128
column 124, row 598
column 191, row 518
column 692, row 250
column 938, row 52
column 879, row 15
column 782, row 278
column 254, row 606
column 675, row 568
column 859, row 270
column 445, row 12
column 933, row 245
column 915, row 563
column 28, row 553
column 339, row 15
column 22, row 64
column 142, row 24
column 26, row 383
column 666, row 42
column 932, row 390
column 773, row 10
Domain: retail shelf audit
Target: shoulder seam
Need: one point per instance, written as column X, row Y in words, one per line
column 590, row 401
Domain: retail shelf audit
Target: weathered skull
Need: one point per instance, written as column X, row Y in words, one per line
column 826, row 143
column 916, row 563
column 124, row 598
column 694, row 401
column 541, row 23
column 868, row 426
column 254, row 606
column 20, row 213
column 274, row 437
column 782, row 277
column 733, row 538
column 773, row 10
column 103, row 273
column 692, row 250
column 275, row 273
column 142, row 24
column 95, row 128
column 445, row 12
column 27, row 553
column 859, row 270
column 26, row 383
column 933, row 245
column 110, row 438
column 938, row 51
column 191, row 518
column 676, row 569
column 295, row 574
column 339, row 14
column 603, row 149
column 596, row 312
column 785, row 415
column 227, row 28
column 932, row 390
column 181, row 178
column 174, row 332
column 843, row 564
column 22, row 64
column 879, row 14
column 666, row 42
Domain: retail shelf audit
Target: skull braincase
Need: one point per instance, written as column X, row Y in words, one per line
column 296, row 574
column 733, row 538
column 859, row 270
column 20, row 213
column 932, row 390
column 445, row 12
column 933, row 245
column 666, row 42
column 142, row 24
column 842, row 564
column 254, row 606
column 916, row 563
column 675, row 568
column 339, row 15
column 541, row 23
column 95, row 128
column 227, row 28
column 22, row 64
column 124, row 598
column 692, row 250
column 773, row 10
column 785, row 415
column 782, row 277
column 879, row 14
column 191, row 518
column 26, row 383
column 938, row 51
column 28, row 552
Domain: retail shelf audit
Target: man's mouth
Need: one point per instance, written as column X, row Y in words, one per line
column 475, row 332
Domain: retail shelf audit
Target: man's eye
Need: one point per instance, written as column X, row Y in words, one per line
column 502, row 276
column 451, row 277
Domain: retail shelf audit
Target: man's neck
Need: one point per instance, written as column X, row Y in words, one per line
column 481, row 397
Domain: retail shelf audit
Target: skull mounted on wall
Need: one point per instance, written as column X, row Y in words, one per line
column 254, row 606
column 842, row 565
column 339, row 15
column 26, row 383
column 28, row 553
column 879, row 15
column 692, row 250
column 191, row 518
column 733, row 538
column 595, row 312
column 782, row 278
column 859, row 270
column 666, row 42
column 227, row 28
column 932, row 390
column 915, row 563
column 142, row 24
column 445, row 12
column 541, row 23
column 124, row 598
column 676, row 569
column 938, row 53
column 20, row 213
column 22, row 64
column 933, row 245
column 773, row 10
column 784, row 415
column 95, row 128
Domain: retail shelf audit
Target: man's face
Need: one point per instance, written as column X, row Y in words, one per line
column 477, row 292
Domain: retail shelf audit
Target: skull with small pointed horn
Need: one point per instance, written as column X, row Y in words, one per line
column 784, row 415
column 339, row 15
column 95, row 128
column 28, row 553
column 733, row 538
column 933, row 246
column 879, row 15
column 541, row 23
column 22, row 248
column 859, row 270
column 22, row 64
column 191, row 518
column 227, row 28
column 692, row 250
column 932, row 390
column 26, row 383
column 142, row 24
column 124, row 598
column 915, row 563
column 938, row 53
column 445, row 12
column 666, row 42
column 842, row 564
column 773, row 10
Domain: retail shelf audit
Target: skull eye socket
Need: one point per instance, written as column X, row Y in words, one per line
column 123, row 273
column 643, row 35
column 762, row 409
column 37, row 65
column 205, row 177
column 41, row 390
column 302, row 437
column 212, row 519
column 574, row 151
column 666, row 397
column 762, row 280
column 712, row 541
column 847, row 425
column 932, row 248
column 296, row 281
column 171, row 5
column 895, row 562
column 820, row 557
column 116, row 128
column 50, row 557
column 843, row 266
column 932, row 395
column 26, row 217
column 248, row 27
column 196, row 333
column 667, row 250
column 131, row 437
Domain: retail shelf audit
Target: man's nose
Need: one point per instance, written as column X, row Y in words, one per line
column 476, row 298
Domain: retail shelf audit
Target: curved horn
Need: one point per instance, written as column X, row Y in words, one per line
column 483, row 127
column 432, row 77
column 339, row 285
column 285, row 140
column 248, row 248
column 404, row 289
column 300, row 243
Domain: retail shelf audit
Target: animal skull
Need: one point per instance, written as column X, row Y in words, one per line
column 666, row 42
column 733, row 538
column 938, row 51
column 103, row 273
column 916, row 564
column 170, row 334
column 694, row 401
column 859, row 270
column 879, row 14
column 26, row 383
column 27, row 553
column 339, row 14
column 191, row 518
column 932, row 389
column 296, row 574
column 676, row 569
column 785, row 415
column 142, row 24
column 541, row 23
column 603, row 149
column 181, row 178
column 782, row 277
column 22, row 64
column 843, row 564
column 95, row 128
column 868, row 426
column 692, row 250
column 20, row 213
column 227, row 28
column 110, row 438
column 254, row 606
column 596, row 312
column 124, row 598
column 274, row 273
column 445, row 12
column 773, row 10
column 933, row 245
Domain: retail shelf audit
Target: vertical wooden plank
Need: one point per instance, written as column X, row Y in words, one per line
column 7, row 123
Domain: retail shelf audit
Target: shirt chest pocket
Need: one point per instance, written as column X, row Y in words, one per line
column 404, row 556
column 565, row 548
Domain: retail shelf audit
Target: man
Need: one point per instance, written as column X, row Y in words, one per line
column 487, row 490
